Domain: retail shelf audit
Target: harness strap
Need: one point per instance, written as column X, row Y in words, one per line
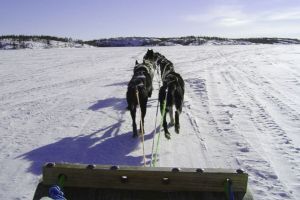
column 142, row 126
column 141, row 66
column 140, row 77
column 163, row 111
column 155, row 131
column 163, row 74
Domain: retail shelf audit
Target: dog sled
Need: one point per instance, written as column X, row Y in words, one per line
column 89, row 182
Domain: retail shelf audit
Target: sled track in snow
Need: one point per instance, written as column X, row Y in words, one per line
column 268, row 131
column 219, row 124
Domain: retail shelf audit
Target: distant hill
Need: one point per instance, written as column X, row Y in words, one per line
column 186, row 41
column 38, row 42
column 46, row 42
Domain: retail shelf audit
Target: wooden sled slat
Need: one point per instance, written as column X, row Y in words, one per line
column 158, row 181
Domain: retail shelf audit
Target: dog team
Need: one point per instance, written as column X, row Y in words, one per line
column 140, row 87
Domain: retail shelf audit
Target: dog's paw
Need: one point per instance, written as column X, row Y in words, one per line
column 171, row 124
column 134, row 135
column 177, row 128
column 168, row 135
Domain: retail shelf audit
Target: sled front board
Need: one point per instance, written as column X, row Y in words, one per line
column 145, row 178
column 74, row 193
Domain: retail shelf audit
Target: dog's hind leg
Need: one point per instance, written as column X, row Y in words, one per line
column 163, row 110
column 171, row 115
column 143, row 109
column 179, row 94
column 165, row 125
column 177, row 125
column 150, row 92
column 128, row 100
column 133, row 112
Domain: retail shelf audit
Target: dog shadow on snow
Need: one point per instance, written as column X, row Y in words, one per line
column 99, row 147
column 106, row 146
column 114, row 102
column 118, row 104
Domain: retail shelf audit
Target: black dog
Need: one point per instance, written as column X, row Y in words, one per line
column 170, row 94
column 150, row 56
column 165, row 66
column 158, row 59
column 138, row 91
column 146, row 68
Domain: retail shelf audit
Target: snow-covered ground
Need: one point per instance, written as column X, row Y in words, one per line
column 241, row 110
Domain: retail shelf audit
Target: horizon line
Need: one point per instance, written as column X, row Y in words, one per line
column 73, row 38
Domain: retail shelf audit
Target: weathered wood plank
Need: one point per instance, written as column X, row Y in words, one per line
column 73, row 193
column 145, row 178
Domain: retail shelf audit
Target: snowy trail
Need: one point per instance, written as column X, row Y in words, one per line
column 238, row 121
column 241, row 110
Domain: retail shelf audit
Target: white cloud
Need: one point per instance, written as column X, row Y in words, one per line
column 292, row 14
column 231, row 21
column 220, row 16
column 237, row 16
column 238, row 21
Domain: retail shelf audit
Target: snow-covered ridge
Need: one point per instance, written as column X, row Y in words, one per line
column 186, row 41
column 39, row 42
column 49, row 42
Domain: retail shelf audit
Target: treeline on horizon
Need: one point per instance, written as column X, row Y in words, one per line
column 146, row 41
column 151, row 41
column 22, row 38
column 187, row 40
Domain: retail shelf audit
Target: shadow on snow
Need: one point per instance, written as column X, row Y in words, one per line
column 124, row 83
column 116, row 103
column 101, row 147
column 105, row 146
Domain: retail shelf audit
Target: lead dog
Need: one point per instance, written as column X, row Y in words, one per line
column 157, row 59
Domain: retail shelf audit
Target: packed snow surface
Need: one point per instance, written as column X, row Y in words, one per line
column 241, row 110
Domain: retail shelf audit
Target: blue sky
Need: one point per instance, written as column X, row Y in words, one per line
column 94, row 19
